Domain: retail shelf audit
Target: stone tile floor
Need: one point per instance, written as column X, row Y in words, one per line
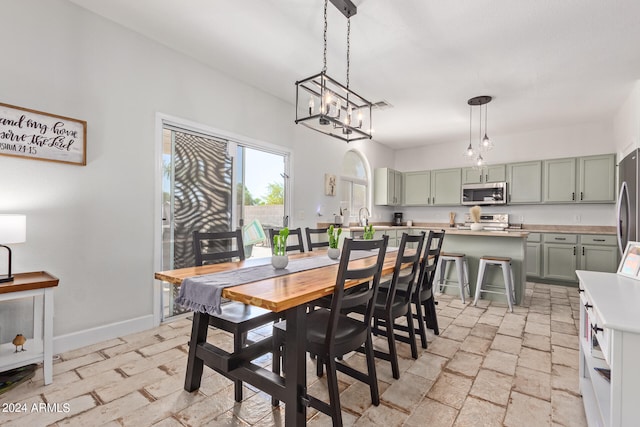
column 488, row 367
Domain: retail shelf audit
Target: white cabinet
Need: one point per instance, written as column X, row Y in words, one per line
column 446, row 185
column 524, row 182
column 493, row 173
column 588, row 179
column 609, row 343
column 387, row 185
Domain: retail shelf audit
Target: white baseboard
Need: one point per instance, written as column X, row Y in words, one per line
column 92, row 336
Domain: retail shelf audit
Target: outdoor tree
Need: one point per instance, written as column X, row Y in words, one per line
column 249, row 200
column 275, row 194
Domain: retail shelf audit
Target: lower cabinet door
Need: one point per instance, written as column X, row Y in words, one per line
column 599, row 258
column 533, row 260
column 560, row 261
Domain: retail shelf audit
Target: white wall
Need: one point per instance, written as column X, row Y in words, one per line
column 569, row 141
column 627, row 123
column 93, row 226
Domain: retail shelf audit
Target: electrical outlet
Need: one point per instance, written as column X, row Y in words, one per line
column 577, row 219
column 521, row 219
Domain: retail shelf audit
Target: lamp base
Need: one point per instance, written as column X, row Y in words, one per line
column 4, row 278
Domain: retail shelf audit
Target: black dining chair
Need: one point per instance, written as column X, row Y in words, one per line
column 297, row 232
column 315, row 239
column 332, row 333
column 422, row 296
column 391, row 305
column 236, row 318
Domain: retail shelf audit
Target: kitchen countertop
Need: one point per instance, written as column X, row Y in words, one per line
column 524, row 231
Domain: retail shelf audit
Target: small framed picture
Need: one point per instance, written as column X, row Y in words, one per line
column 630, row 264
column 329, row 185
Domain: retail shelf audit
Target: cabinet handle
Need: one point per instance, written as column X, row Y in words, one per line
column 583, row 251
column 598, row 240
column 486, row 178
column 573, row 196
column 580, row 290
column 560, row 238
column 587, row 305
column 574, row 250
column 596, row 329
column 581, row 195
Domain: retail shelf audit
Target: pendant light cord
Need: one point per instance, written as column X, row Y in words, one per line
column 324, row 54
column 348, row 49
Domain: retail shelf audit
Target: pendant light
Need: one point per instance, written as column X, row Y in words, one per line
column 340, row 112
column 484, row 143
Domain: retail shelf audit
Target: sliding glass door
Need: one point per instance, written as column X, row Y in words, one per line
column 214, row 184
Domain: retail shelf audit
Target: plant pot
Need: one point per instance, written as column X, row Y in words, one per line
column 333, row 253
column 279, row 261
column 476, row 226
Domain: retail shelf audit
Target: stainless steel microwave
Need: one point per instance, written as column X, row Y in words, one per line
column 493, row 193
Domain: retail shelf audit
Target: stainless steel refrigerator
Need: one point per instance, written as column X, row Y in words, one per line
column 627, row 208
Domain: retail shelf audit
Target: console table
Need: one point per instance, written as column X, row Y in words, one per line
column 40, row 347
column 609, row 343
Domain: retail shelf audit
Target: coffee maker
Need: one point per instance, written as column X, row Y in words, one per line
column 397, row 218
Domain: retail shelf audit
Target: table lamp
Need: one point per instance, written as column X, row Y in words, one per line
column 13, row 229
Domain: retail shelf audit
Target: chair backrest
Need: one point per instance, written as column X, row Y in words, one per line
column 433, row 248
column 211, row 248
column 406, row 276
column 370, row 269
column 317, row 243
column 292, row 232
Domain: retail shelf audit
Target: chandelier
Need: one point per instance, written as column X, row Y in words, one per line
column 327, row 106
column 484, row 143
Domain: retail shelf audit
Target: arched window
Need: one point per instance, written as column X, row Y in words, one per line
column 354, row 183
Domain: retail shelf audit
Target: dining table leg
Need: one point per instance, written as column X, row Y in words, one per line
column 195, row 365
column 295, row 367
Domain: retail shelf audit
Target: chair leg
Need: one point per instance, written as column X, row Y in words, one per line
column 441, row 268
column 412, row 334
column 334, row 392
column 481, row 269
column 460, row 273
column 238, row 340
column 431, row 316
column 507, row 284
column 421, row 324
column 393, row 353
column 319, row 366
column 275, row 363
column 465, row 265
column 371, row 369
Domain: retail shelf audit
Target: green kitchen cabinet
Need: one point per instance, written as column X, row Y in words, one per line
column 597, row 179
column 387, row 187
column 559, row 181
column 493, row 173
column 446, row 187
column 560, row 261
column 524, row 182
column 534, row 256
column 599, row 252
column 417, row 188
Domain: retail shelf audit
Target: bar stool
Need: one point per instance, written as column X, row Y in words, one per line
column 507, row 273
column 462, row 267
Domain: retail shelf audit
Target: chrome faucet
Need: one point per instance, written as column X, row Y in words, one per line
column 364, row 219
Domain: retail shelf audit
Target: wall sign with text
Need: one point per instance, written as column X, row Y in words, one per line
column 42, row 136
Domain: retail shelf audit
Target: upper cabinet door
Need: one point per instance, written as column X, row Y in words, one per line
column 559, row 183
column 597, row 179
column 446, row 187
column 387, row 187
column 524, row 182
column 472, row 176
column 417, row 188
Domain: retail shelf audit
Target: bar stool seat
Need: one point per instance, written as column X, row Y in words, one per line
column 462, row 268
column 507, row 273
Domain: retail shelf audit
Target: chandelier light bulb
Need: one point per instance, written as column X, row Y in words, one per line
column 311, row 105
column 469, row 152
column 480, row 160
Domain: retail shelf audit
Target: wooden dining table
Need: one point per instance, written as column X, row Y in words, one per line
column 287, row 294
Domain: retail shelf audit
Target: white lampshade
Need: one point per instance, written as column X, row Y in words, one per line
column 13, row 228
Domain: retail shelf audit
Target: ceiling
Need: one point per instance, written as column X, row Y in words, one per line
column 547, row 63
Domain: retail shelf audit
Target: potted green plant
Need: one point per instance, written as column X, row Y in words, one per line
column 368, row 232
column 279, row 257
column 334, row 238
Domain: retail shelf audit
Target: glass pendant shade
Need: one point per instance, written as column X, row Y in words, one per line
column 484, row 143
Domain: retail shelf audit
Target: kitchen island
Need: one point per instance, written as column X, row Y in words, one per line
column 510, row 243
